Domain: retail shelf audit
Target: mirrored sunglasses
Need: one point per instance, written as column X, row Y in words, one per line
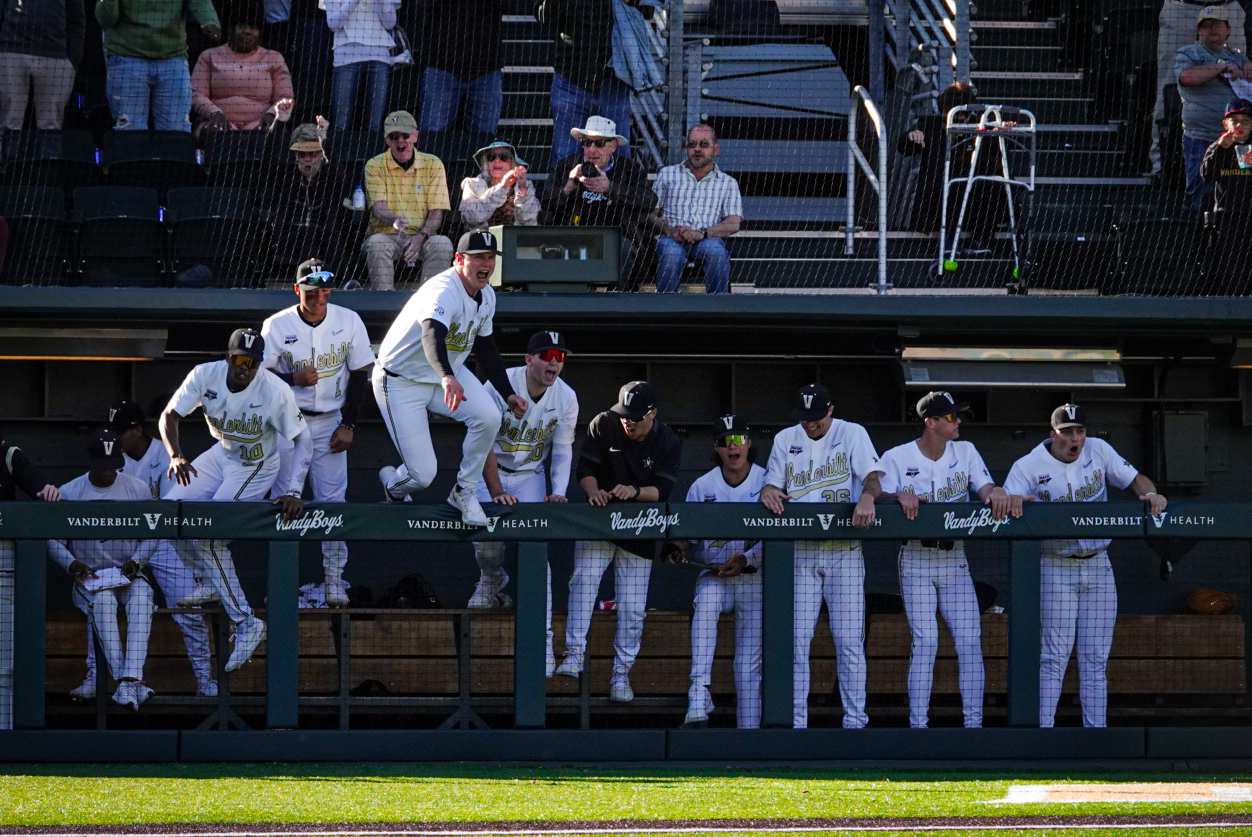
column 549, row 355
column 732, row 439
column 598, row 143
column 320, row 279
column 246, row 361
column 952, row 417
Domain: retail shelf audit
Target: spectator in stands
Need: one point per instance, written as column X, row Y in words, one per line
column 1205, row 71
column 145, row 44
column 502, row 194
column 117, row 568
column 597, row 187
column 41, row 45
column 1227, row 166
column 1177, row 29
column 459, row 69
column 309, row 212
column 16, row 471
column 363, row 44
column 700, row 205
column 241, row 85
column 407, row 194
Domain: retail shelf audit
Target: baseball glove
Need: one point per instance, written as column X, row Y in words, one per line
column 1211, row 602
column 672, row 553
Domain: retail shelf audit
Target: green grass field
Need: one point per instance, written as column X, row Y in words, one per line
column 267, row 793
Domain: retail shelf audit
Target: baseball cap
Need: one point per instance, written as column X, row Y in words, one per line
column 731, row 425
column 934, row 404
column 1068, row 415
column 811, row 403
column 312, row 273
column 1238, row 106
column 304, row 138
column 399, row 121
column 247, row 341
column 635, row 400
column 124, row 415
column 541, row 340
column 477, row 241
column 1213, row 13
column 104, row 450
column 598, row 127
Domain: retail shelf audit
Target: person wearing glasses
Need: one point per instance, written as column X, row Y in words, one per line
column 323, row 353
column 518, row 467
column 629, row 456
column 502, row 194
column 407, row 195
column 247, row 410
column 700, row 206
column 598, row 187
column 939, row 468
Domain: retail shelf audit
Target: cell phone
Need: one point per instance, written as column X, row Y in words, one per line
column 590, row 170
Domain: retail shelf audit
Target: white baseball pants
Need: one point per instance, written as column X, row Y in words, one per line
column 630, row 581
column 328, row 480
column 931, row 578
column 741, row 596
column 1076, row 596
column 101, row 609
column 404, row 403
column 835, row 571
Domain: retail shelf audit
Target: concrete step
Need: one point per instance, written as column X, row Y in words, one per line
column 1029, row 59
column 1014, row 33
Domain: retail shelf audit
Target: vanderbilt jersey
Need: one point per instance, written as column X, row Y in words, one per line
column 152, row 469
column 713, row 488
column 443, row 299
column 1085, row 480
column 950, row 479
column 245, row 422
column 523, row 444
column 109, row 552
column 335, row 346
column 831, row 469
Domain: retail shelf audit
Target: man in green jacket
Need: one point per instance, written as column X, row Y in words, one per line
column 145, row 44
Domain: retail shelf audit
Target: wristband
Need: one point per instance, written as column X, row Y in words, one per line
column 347, row 425
column 638, row 491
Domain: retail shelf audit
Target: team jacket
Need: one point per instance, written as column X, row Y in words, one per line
column 713, row 488
column 17, row 471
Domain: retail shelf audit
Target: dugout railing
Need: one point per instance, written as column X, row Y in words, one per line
column 536, row 526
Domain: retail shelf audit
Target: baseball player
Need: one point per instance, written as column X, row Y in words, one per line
column 86, row 561
column 1077, row 592
column 938, row 468
column 826, row 460
column 629, row 455
column 515, row 466
column 323, row 352
column 16, row 470
column 423, row 355
column 736, row 479
column 144, row 459
column 246, row 409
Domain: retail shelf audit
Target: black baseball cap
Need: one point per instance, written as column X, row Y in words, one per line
column 477, row 241
column 635, row 400
column 1068, row 415
column 1238, row 106
column 247, row 341
column 811, row 403
column 104, row 450
column 730, row 425
column 312, row 273
column 124, row 415
column 541, row 340
column 935, row 404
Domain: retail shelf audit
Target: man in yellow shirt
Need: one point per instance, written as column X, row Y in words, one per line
column 408, row 195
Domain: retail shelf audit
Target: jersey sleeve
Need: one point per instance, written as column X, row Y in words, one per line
column 777, row 465
column 286, row 418
column 1117, row 470
column 270, row 361
column 567, row 424
column 486, row 326
column 864, row 457
column 1018, row 481
column 890, row 479
column 439, row 307
column 362, row 354
column 187, row 398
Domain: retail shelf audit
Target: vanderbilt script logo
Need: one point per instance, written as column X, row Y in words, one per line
column 648, row 519
column 317, row 520
column 980, row 519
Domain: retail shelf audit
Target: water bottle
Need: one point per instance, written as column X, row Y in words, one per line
column 199, row 156
column 358, row 198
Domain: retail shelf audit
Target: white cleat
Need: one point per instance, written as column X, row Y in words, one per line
column 389, row 475
column 206, row 688
column 248, row 635
column 336, row 593
column 143, row 692
column 465, row 500
column 203, row 594
column 489, row 592
column 699, row 704
column 127, row 695
column 619, row 689
column 571, row 666
column 86, row 691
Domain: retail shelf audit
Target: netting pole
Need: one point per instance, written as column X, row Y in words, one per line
column 675, row 95
column 1024, row 634
column 530, row 637
column 282, row 647
column 778, row 634
column 30, row 605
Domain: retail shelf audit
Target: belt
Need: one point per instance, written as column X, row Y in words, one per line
column 1083, row 557
column 389, row 372
column 935, row 543
column 312, row 413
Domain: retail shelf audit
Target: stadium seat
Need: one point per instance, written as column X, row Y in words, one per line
column 242, row 159
column 60, row 159
column 216, row 228
column 39, row 235
column 121, row 237
column 154, row 159
column 1159, row 256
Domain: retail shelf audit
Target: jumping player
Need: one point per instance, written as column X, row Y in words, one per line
column 423, row 353
column 515, row 467
column 1077, row 592
column 826, row 460
column 246, row 409
column 937, row 468
column 323, row 352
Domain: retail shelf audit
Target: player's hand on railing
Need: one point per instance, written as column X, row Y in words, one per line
column 504, row 498
column 1000, row 503
column 772, row 498
column 910, row 503
column 49, row 493
column 292, row 507
column 556, row 498
column 863, row 514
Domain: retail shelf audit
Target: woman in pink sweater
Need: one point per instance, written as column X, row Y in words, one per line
column 241, row 86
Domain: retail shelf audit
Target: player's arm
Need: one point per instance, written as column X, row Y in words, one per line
column 589, row 460
column 27, row 477
column 345, row 433
column 290, row 503
column 492, row 367
column 491, row 475
column 435, row 348
column 562, row 458
column 180, row 470
column 1145, row 490
column 863, row 515
column 1001, row 502
column 596, row 496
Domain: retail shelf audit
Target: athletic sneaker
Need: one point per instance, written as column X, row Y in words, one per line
column 143, row 692
column 489, row 592
column 619, row 689
column 571, row 666
column 206, row 688
column 248, row 635
column 336, row 593
column 389, row 475
column 127, row 694
column 86, row 691
column 465, row 500
column 699, row 704
column 203, row 594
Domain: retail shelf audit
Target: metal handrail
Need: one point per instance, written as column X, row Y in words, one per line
column 877, row 180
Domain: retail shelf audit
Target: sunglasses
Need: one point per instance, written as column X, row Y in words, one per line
column 700, row 144
column 732, row 439
column 320, row 279
column 549, row 355
column 952, row 417
column 246, row 361
column 502, row 156
column 598, row 143
column 640, row 420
